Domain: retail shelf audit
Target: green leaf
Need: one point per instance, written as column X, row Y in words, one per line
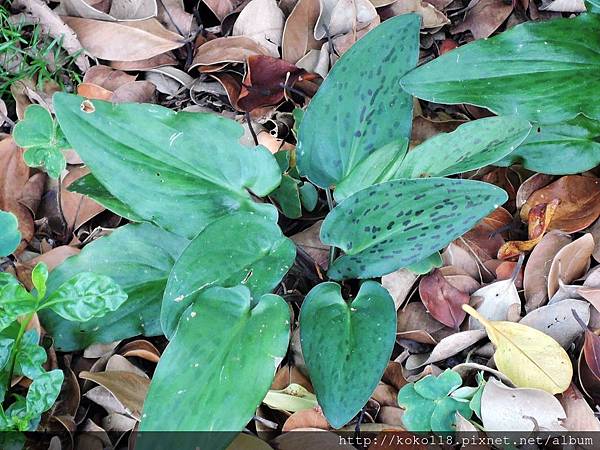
column 471, row 146
column 360, row 107
column 545, row 71
column 401, row 222
column 10, row 236
column 426, row 265
column 43, row 392
column 90, row 186
column 346, row 347
column 39, row 276
column 309, row 196
column 6, row 345
column 428, row 406
column 218, row 366
column 15, row 301
column 560, row 149
column 44, row 143
column 30, row 356
column 85, row 296
column 287, row 196
column 192, row 163
column 240, row 248
column 381, row 165
column 139, row 258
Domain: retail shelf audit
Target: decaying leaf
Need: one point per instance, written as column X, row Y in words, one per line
column 442, row 300
column 570, row 263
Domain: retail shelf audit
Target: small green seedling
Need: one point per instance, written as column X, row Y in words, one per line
column 10, row 236
column 81, row 298
column 43, row 140
column 431, row 403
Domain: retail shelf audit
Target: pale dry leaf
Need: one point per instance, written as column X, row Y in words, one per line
column 580, row 417
column 335, row 17
column 496, row 301
column 431, row 17
column 570, row 263
column 118, row 422
column 117, row 363
column 119, row 10
column 399, row 284
column 557, row 320
column 575, row 6
column 124, row 41
column 462, row 259
column 234, row 49
column 452, row 345
column 529, row 409
column 222, row 8
column 263, row 21
column 298, row 32
column 535, row 278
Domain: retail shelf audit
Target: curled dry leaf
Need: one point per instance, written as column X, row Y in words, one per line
column 141, row 349
column 484, row 18
column 432, row 17
column 449, row 346
column 306, row 418
column 414, row 323
column 130, row 389
column 442, row 300
column 14, row 175
column 580, row 417
column 263, row 21
column 234, row 49
column 571, row 262
column 535, row 277
column 124, row 41
column 540, row 217
column 557, row 320
column 119, row 10
column 496, row 301
column 527, row 356
column 530, row 409
column 530, row 185
column 579, row 202
column 399, row 284
column 298, row 33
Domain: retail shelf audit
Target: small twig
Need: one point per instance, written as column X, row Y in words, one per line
column 252, row 132
column 331, row 204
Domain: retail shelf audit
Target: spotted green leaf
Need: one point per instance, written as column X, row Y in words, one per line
column 400, row 222
column 360, row 106
column 43, row 140
column 10, row 236
column 85, row 296
column 218, row 366
column 138, row 257
column 471, row 146
column 240, row 248
column 545, row 71
column 192, row 163
column 381, row 165
column 346, row 347
column 564, row 148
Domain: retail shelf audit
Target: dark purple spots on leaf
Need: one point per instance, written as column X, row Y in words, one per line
column 390, row 225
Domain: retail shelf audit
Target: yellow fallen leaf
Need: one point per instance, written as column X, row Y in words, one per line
column 530, row 358
column 293, row 398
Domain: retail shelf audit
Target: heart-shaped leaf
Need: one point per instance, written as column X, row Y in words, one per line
column 219, row 364
column 346, row 347
column 512, row 73
column 239, row 248
column 398, row 223
column 85, row 296
column 359, row 108
column 471, row 146
column 10, row 236
column 560, row 149
column 192, row 163
column 139, row 258
column 43, row 140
